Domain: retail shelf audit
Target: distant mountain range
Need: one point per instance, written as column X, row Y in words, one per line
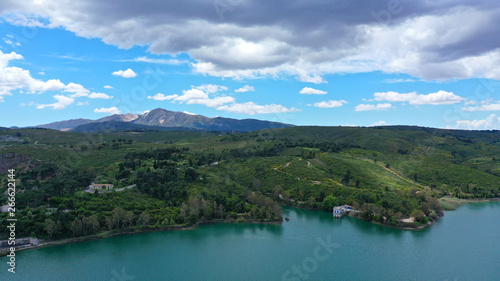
column 163, row 120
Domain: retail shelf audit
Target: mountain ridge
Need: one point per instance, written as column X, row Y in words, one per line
column 162, row 118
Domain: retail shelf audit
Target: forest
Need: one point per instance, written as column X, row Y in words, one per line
column 168, row 180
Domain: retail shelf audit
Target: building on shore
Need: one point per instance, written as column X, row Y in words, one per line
column 339, row 211
column 20, row 243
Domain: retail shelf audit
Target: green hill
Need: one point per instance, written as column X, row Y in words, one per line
column 385, row 173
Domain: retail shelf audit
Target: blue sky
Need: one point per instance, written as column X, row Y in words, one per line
column 399, row 65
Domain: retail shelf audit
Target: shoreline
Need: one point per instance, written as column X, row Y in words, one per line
column 107, row 234
column 455, row 202
column 452, row 203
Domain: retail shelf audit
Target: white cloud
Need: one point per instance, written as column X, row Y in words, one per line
column 311, row 91
column 192, row 94
column 211, row 88
column 380, row 106
column 486, row 106
column 100, row 96
column 111, row 110
column 108, row 87
column 62, row 102
column 162, row 97
column 492, row 122
column 82, row 103
column 30, row 20
column 244, row 89
column 470, row 102
column 330, row 103
column 77, row 89
column 314, row 78
column 395, row 96
column 251, row 108
column 129, row 73
column 426, row 40
column 15, row 78
column 379, row 123
column 438, row 98
column 213, row 102
column 158, row 61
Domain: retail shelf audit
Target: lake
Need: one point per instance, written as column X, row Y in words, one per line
column 463, row 245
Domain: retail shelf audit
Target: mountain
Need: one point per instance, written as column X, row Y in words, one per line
column 119, row 118
column 161, row 119
column 166, row 118
column 123, row 126
column 65, row 125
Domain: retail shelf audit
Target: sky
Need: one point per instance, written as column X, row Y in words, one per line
column 314, row 62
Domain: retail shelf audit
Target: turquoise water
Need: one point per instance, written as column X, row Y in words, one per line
column 464, row 245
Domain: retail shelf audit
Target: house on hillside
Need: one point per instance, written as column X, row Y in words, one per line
column 98, row 187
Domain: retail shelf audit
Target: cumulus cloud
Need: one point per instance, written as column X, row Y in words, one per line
column 205, row 94
column 210, row 88
column 100, row 96
column 367, row 107
column 251, row 108
column 108, row 87
column 77, row 89
column 244, row 89
column 311, row 91
column 330, row 103
column 486, row 106
column 492, row 122
column 18, row 79
column 395, row 96
column 129, row 73
column 111, row 110
column 438, row 98
column 211, row 102
column 162, row 97
column 62, row 102
column 425, row 39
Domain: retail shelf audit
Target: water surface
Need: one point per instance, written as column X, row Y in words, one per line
column 464, row 245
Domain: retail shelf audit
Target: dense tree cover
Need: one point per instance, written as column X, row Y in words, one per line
column 386, row 174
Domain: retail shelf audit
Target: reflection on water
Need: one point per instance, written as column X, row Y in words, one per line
column 243, row 251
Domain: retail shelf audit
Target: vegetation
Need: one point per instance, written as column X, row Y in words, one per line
column 182, row 178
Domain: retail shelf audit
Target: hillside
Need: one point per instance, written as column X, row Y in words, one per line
column 65, row 125
column 386, row 173
column 123, row 126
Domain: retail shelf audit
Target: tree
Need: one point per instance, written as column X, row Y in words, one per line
column 347, row 178
column 128, row 219
column 118, row 217
column 93, row 223
column 110, row 223
column 418, row 215
column 50, row 227
column 144, row 219
column 329, row 202
column 76, row 227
